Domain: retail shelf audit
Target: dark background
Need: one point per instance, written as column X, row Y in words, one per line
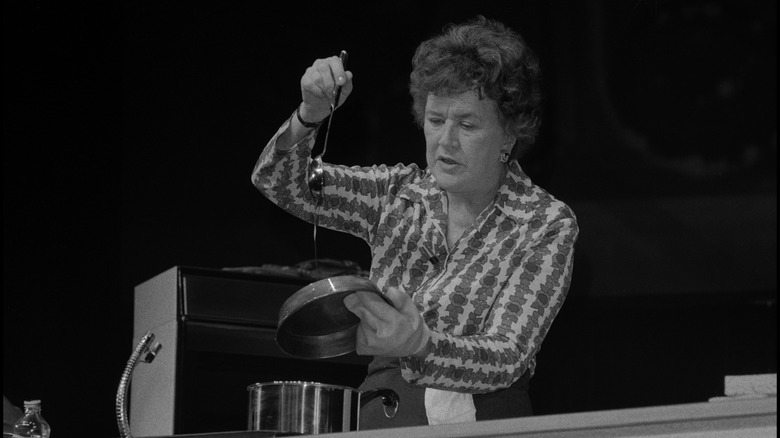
column 130, row 131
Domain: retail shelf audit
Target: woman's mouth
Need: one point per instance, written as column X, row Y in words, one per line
column 448, row 161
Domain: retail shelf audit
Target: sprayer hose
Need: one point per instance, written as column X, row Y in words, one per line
column 124, row 383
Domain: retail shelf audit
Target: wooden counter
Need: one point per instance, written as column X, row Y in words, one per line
column 737, row 418
column 745, row 418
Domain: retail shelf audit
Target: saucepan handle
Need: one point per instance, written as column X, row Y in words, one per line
column 390, row 400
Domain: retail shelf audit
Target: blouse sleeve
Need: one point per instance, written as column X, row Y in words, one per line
column 516, row 325
column 352, row 196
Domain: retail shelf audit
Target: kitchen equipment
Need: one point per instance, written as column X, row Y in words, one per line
column 314, row 172
column 315, row 324
column 311, row 408
column 146, row 350
column 314, row 176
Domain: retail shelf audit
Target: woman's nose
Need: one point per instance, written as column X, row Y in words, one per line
column 449, row 135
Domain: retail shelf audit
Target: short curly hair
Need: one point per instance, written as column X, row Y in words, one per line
column 485, row 56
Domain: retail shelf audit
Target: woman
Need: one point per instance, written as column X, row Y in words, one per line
column 476, row 259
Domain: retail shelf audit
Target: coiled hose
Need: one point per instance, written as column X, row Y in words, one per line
column 143, row 347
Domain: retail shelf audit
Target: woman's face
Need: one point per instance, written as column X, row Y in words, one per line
column 464, row 139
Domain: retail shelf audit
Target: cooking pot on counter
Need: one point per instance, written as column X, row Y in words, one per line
column 311, row 408
column 315, row 324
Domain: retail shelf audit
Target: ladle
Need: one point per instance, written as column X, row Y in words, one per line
column 314, row 177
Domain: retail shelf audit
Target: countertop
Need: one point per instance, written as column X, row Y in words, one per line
column 748, row 418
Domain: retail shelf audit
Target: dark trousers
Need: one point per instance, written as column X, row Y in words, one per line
column 505, row 403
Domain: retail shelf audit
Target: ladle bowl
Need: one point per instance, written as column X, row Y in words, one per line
column 314, row 178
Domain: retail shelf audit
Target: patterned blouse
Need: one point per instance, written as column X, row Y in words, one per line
column 489, row 300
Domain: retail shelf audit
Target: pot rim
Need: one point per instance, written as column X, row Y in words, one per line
column 314, row 323
column 302, row 383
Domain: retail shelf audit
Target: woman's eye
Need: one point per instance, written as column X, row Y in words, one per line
column 435, row 121
column 467, row 126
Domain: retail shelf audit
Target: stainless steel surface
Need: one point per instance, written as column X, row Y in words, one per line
column 315, row 324
column 310, row 407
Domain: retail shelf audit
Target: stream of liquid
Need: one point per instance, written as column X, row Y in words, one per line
column 316, row 225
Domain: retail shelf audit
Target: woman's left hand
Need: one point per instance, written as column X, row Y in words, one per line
column 384, row 330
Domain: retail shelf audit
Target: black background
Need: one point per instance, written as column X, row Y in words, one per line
column 130, row 131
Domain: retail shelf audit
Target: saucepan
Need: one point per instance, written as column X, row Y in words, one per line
column 314, row 323
column 311, row 408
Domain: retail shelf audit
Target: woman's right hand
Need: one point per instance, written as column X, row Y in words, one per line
column 385, row 330
column 318, row 88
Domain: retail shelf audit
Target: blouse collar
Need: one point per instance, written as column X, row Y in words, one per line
column 513, row 193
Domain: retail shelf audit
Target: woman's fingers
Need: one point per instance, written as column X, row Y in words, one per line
column 318, row 87
column 398, row 298
column 368, row 302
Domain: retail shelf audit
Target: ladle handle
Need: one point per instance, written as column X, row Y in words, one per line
column 343, row 56
column 390, row 400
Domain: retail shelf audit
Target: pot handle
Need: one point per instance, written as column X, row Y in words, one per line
column 390, row 400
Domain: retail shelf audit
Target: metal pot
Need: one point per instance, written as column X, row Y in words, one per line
column 315, row 324
column 311, row 408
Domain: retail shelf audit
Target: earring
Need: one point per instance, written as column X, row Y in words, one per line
column 503, row 157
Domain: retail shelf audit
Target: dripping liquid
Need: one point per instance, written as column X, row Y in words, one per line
column 316, row 225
